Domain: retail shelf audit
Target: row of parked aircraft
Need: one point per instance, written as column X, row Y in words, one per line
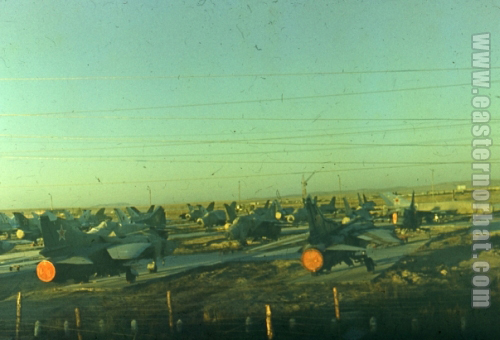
column 93, row 244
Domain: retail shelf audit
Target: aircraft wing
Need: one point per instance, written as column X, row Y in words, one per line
column 127, row 251
column 379, row 236
column 344, row 247
column 76, row 260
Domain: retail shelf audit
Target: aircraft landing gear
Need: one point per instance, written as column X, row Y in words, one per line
column 152, row 267
column 370, row 264
column 130, row 276
column 83, row 278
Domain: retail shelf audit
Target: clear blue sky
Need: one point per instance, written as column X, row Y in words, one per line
column 101, row 100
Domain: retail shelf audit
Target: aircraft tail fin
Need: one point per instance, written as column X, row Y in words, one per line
column 318, row 227
column 122, row 218
column 21, row 221
column 211, row 206
column 4, row 219
column 58, row 234
column 133, row 212
column 151, row 209
column 268, row 202
column 101, row 215
column 157, row 218
column 332, row 202
column 231, row 211
column 360, row 201
column 348, row 210
column 68, row 215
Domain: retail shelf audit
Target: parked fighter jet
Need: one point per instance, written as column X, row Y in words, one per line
column 5, row 247
column 328, row 208
column 331, row 243
column 264, row 223
column 365, row 204
column 362, row 212
column 7, row 225
column 217, row 217
column 195, row 213
column 73, row 254
column 87, row 220
column 29, row 228
column 136, row 215
column 430, row 212
column 156, row 218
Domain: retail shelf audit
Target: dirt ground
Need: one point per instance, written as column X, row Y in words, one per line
column 433, row 286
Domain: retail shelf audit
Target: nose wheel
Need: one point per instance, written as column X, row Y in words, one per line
column 370, row 264
column 130, row 275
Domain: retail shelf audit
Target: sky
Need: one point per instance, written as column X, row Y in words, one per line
column 105, row 102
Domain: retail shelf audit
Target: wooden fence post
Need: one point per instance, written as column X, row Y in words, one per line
column 336, row 303
column 18, row 316
column 134, row 328
column 170, row 314
column 78, row 323
column 248, row 324
column 269, row 325
column 102, row 326
column 179, row 326
column 38, row 329
column 373, row 324
column 66, row 328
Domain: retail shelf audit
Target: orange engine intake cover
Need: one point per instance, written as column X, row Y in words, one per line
column 312, row 259
column 395, row 218
column 46, row 271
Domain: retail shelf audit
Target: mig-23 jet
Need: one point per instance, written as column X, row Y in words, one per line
column 7, row 225
column 430, row 211
column 300, row 214
column 136, row 216
column 74, row 254
column 29, row 228
column 156, row 218
column 264, row 223
column 362, row 212
column 87, row 220
column 329, row 208
column 331, row 243
column 411, row 216
column 217, row 217
column 195, row 213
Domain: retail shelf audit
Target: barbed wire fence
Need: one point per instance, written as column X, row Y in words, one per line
column 392, row 314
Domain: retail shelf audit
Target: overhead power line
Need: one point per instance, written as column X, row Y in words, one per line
column 218, row 141
column 239, row 75
column 282, row 98
column 240, row 176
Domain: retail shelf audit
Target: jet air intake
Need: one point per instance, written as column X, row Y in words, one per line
column 312, row 259
column 20, row 234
